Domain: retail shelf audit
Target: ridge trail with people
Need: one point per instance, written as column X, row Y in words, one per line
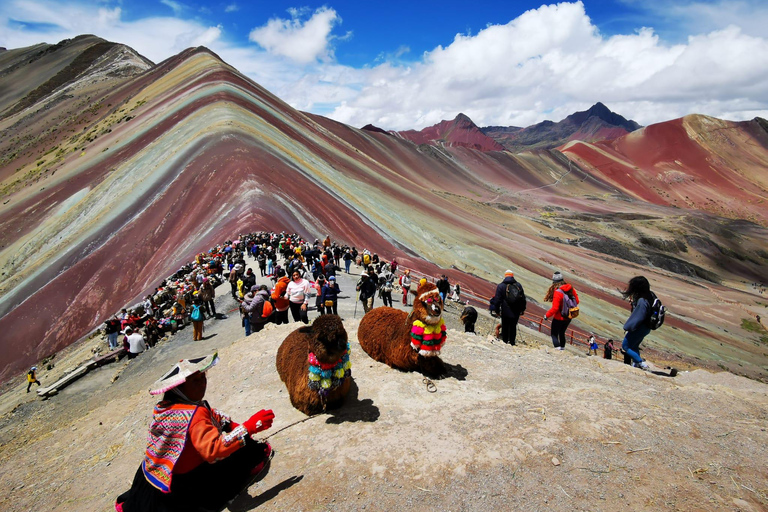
column 521, row 426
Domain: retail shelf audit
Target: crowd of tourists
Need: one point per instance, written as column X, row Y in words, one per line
column 192, row 444
column 301, row 276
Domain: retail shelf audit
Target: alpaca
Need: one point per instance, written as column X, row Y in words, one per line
column 313, row 362
column 407, row 341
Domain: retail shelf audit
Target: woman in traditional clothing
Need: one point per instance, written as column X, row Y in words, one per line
column 197, row 459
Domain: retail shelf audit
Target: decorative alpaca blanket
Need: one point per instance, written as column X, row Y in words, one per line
column 427, row 340
column 324, row 377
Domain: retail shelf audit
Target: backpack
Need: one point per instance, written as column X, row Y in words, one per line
column 569, row 308
column 196, row 315
column 515, row 297
column 657, row 313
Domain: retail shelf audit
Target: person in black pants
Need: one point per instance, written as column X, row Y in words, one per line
column 330, row 294
column 32, row 378
column 556, row 294
column 508, row 302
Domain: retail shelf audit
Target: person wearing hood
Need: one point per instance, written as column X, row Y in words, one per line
column 258, row 309
column 197, row 459
column 509, row 303
column 556, row 294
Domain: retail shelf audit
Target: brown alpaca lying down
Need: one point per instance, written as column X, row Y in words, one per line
column 386, row 334
column 328, row 384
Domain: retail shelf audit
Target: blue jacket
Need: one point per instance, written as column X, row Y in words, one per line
column 639, row 315
column 330, row 292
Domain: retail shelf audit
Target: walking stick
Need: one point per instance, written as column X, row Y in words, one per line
column 357, row 299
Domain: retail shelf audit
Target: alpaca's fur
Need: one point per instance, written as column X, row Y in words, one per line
column 327, row 338
column 385, row 334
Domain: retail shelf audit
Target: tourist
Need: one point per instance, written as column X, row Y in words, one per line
column 134, row 343
column 405, row 284
column 638, row 293
column 556, row 294
column 32, row 378
column 329, row 296
column 298, row 297
column 509, row 303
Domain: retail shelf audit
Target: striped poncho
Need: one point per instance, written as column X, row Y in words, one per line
column 427, row 340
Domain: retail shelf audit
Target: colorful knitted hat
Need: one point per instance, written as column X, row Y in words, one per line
column 181, row 370
column 509, row 273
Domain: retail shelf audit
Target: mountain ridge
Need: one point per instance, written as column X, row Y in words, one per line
column 109, row 187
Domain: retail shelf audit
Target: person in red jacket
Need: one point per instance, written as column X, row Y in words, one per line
column 281, row 300
column 556, row 295
column 197, row 459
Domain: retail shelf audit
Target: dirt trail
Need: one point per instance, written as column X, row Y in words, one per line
column 512, row 428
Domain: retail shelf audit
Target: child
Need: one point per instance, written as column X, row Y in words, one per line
column 592, row 345
column 32, row 378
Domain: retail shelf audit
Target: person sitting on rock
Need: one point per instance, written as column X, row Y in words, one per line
column 197, row 459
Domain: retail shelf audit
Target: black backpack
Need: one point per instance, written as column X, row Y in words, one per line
column 657, row 313
column 515, row 297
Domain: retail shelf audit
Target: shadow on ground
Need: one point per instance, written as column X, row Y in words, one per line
column 354, row 409
column 246, row 502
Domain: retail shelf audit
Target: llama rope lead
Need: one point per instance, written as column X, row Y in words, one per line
column 430, row 385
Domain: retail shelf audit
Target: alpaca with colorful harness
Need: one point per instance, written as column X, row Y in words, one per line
column 313, row 362
column 407, row 341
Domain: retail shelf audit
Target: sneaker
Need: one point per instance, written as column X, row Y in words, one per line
column 644, row 366
column 561, row 348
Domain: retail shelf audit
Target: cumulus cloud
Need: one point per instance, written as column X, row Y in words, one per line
column 302, row 41
column 55, row 21
column 552, row 61
column 545, row 64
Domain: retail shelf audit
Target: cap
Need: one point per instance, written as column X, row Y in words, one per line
column 509, row 273
column 181, row 370
column 332, row 278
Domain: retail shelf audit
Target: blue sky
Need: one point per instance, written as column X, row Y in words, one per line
column 409, row 64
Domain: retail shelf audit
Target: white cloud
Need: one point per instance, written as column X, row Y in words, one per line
column 176, row 6
column 232, row 8
column 552, row 61
column 65, row 20
column 545, row 64
column 300, row 41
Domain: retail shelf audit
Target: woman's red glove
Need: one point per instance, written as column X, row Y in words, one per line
column 262, row 420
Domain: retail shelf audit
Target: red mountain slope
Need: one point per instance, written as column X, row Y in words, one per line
column 461, row 132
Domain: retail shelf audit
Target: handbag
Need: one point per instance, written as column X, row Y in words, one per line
column 329, row 303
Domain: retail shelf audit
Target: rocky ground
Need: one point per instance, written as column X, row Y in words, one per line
column 520, row 427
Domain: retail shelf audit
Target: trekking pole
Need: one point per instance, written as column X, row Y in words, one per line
column 357, row 299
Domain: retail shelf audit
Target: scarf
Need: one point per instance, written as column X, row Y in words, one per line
column 427, row 340
column 325, row 377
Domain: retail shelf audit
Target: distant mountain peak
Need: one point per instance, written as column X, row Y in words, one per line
column 596, row 123
column 461, row 131
column 462, row 118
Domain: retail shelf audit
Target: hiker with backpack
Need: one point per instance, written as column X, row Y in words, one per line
column 196, row 315
column 565, row 307
column 647, row 314
column 258, row 309
column 508, row 302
